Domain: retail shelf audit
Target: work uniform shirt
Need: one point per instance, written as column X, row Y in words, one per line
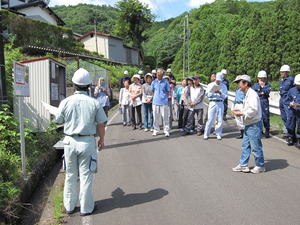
column 160, row 89
column 285, row 85
column 122, row 81
column 226, row 82
column 80, row 113
column 239, row 96
column 216, row 96
column 293, row 96
column 259, row 89
column 251, row 108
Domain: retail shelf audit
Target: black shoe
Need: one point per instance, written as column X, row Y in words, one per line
column 267, row 133
column 87, row 214
column 224, row 118
column 298, row 143
column 241, row 135
column 186, row 133
column 285, row 137
column 70, row 212
column 290, row 141
column 133, row 128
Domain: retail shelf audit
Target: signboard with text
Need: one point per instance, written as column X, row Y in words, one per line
column 21, row 84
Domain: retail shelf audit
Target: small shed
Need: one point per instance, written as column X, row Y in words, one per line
column 47, row 81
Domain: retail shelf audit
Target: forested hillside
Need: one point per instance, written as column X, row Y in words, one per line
column 81, row 17
column 243, row 37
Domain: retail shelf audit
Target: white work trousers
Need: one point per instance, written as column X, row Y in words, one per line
column 239, row 119
column 80, row 156
column 160, row 111
column 214, row 109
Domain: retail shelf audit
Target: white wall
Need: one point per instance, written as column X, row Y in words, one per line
column 90, row 44
column 38, row 13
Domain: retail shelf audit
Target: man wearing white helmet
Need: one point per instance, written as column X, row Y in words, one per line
column 124, row 78
column 226, row 83
column 263, row 89
column 169, row 73
column 142, row 80
column 82, row 115
column 286, row 83
column 293, row 118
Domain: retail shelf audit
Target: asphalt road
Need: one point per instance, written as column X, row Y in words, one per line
column 145, row 180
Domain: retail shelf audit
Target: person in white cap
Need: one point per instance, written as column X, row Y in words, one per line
column 124, row 78
column 153, row 72
column 160, row 90
column 286, row 83
column 147, row 103
column 216, row 92
column 169, row 74
column 135, row 93
column 293, row 114
column 263, row 89
column 226, row 82
column 82, row 115
column 251, row 113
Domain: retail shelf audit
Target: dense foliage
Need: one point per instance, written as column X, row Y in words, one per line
column 37, row 147
column 243, row 37
column 82, row 17
column 133, row 18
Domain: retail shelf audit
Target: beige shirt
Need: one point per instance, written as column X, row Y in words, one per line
column 251, row 108
column 135, row 90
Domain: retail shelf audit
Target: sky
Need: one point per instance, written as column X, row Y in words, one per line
column 162, row 9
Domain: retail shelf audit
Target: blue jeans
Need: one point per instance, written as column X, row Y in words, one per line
column 252, row 141
column 148, row 112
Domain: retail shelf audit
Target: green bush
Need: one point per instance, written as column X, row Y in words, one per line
column 37, row 146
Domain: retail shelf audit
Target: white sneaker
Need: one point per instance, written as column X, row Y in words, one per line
column 219, row 137
column 258, row 169
column 155, row 132
column 240, row 168
column 167, row 134
column 205, row 137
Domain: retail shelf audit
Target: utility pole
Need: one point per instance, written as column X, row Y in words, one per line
column 95, row 25
column 188, row 41
column 3, row 90
column 184, row 37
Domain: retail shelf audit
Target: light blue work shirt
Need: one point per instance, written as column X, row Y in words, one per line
column 80, row 113
column 239, row 96
column 215, row 96
column 160, row 89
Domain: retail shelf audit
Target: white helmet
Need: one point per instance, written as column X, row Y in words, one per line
column 297, row 79
column 169, row 70
column 81, row 77
column 285, row 68
column 140, row 72
column 262, row 74
column 224, row 71
column 154, row 71
column 125, row 72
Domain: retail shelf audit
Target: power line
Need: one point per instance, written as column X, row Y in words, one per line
column 154, row 4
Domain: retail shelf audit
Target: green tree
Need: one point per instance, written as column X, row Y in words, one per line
column 133, row 18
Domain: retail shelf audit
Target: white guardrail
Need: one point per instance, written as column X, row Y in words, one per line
column 273, row 100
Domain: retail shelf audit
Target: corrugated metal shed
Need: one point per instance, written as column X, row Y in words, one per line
column 47, row 80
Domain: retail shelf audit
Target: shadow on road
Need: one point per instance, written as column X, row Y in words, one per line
column 276, row 164
column 121, row 200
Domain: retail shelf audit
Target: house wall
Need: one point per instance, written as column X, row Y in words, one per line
column 14, row 3
column 90, row 44
column 116, row 50
column 38, row 13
